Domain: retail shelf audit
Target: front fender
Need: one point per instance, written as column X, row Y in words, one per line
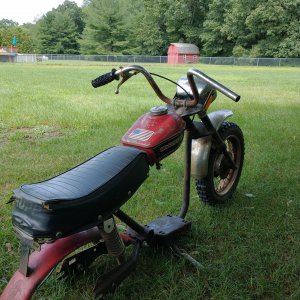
column 201, row 147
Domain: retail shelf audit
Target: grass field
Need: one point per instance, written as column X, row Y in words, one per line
column 52, row 119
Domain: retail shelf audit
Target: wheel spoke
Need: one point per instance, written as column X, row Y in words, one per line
column 222, row 185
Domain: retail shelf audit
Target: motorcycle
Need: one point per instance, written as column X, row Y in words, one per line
column 58, row 216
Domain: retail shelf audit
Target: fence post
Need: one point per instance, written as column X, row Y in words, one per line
column 257, row 62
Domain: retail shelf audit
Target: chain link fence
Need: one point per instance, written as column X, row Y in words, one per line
column 239, row 61
column 87, row 58
column 247, row 61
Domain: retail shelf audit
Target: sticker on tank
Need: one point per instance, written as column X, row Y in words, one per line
column 141, row 134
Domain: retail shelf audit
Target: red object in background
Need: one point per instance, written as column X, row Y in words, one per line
column 8, row 54
column 181, row 53
column 159, row 133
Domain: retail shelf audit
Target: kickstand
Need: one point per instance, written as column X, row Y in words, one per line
column 184, row 254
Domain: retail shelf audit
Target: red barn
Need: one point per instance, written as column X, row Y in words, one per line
column 181, row 53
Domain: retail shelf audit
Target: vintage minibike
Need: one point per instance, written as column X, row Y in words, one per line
column 56, row 217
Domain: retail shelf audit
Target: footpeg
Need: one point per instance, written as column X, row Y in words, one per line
column 165, row 230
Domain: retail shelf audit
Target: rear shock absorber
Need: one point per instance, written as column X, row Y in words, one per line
column 114, row 244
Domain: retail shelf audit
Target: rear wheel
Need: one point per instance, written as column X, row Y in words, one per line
column 221, row 180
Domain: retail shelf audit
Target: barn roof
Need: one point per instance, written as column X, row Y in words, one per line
column 186, row 48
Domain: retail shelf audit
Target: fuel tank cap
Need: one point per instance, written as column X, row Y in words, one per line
column 158, row 110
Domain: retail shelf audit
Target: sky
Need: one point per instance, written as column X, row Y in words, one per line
column 27, row 11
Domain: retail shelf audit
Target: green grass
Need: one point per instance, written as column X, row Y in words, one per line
column 51, row 119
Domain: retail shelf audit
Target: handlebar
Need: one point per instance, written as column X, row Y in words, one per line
column 127, row 72
column 105, row 79
column 215, row 84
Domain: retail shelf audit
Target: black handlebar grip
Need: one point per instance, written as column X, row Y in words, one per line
column 105, row 79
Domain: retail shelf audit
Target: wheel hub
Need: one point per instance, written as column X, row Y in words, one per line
column 222, row 166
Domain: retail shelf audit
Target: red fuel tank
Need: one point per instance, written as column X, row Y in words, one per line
column 158, row 132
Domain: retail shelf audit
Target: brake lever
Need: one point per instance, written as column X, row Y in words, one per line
column 125, row 77
column 125, row 74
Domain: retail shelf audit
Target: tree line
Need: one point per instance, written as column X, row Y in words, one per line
column 254, row 28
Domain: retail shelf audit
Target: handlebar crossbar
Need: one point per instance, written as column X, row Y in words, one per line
column 215, row 84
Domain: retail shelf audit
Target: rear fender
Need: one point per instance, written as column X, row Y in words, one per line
column 41, row 263
column 201, row 147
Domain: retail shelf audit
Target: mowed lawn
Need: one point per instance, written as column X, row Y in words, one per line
column 52, row 119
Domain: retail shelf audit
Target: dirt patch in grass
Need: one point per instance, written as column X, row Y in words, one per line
column 41, row 132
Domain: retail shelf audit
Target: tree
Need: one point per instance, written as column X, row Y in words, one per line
column 267, row 28
column 214, row 38
column 151, row 31
column 275, row 25
column 5, row 23
column 86, row 3
column 32, row 30
column 234, row 23
column 134, row 12
column 9, row 29
column 105, row 30
column 59, row 30
column 166, row 21
column 74, row 12
column 184, row 20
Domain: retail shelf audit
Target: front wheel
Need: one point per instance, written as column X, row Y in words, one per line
column 221, row 180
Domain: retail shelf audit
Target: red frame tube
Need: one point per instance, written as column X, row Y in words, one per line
column 42, row 262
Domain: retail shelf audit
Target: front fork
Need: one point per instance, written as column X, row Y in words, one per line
column 204, row 136
column 219, row 143
column 198, row 142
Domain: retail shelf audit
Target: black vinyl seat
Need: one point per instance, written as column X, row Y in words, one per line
column 75, row 199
